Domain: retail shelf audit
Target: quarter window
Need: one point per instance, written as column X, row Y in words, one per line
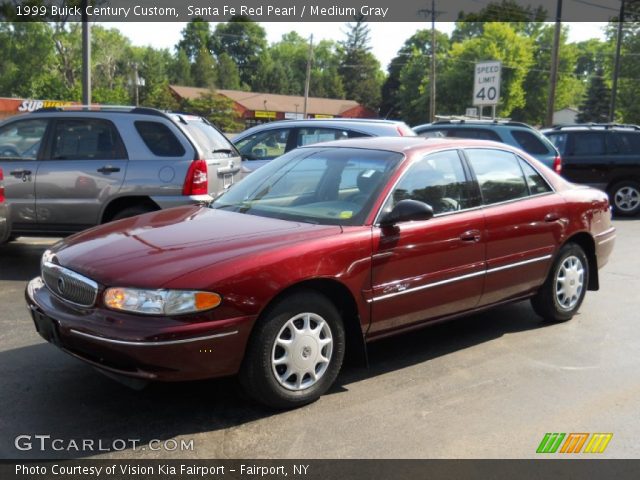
column 264, row 145
column 535, row 182
column 159, row 139
column 437, row 180
column 21, row 140
column 86, row 139
column 529, row 142
column 499, row 175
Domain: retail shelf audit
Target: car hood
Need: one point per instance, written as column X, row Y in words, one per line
column 152, row 249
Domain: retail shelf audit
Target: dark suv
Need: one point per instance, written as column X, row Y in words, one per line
column 516, row 134
column 606, row 156
column 69, row 169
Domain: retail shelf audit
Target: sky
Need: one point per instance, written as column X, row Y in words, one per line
column 386, row 37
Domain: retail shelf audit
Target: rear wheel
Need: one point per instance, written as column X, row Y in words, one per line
column 625, row 198
column 562, row 293
column 295, row 352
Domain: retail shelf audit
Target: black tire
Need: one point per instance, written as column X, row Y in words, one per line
column 131, row 212
column 272, row 388
column 551, row 305
column 625, row 198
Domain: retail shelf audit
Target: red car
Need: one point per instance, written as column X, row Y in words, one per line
column 322, row 250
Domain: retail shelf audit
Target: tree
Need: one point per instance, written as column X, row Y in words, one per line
column 628, row 98
column 215, row 108
column 196, row 36
column 244, row 41
column 203, row 70
column 228, row 74
column 273, row 77
column 595, row 106
column 499, row 41
column 359, row 69
column 180, row 69
column 411, row 56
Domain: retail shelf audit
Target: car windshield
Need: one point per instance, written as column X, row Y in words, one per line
column 329, row 186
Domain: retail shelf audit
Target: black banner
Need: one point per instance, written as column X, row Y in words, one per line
column 309, row 10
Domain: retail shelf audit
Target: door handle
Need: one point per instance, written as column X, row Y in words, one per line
column 471, row 236
column 20, row 173
column 551, row 217
column 108, row 169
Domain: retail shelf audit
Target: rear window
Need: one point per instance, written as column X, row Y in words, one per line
column 529, row 142
column 159, row 139
column 209, row 139
column 629, row 142
column 559, row 141
column 475, row 133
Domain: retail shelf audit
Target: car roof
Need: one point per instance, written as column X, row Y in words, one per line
column 409, row 144
column 598, row 127
column 493, row 124
column 371, row 125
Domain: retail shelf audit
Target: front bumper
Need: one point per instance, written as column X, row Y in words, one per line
column 149, row 348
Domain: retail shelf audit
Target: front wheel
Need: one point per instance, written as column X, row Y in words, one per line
column 295, row 352
column 562, row 293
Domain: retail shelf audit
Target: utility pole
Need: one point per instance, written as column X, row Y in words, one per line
column 308, row 78
column 86, row 56
column 616, row 67
column 432, row 82
column 553, row 80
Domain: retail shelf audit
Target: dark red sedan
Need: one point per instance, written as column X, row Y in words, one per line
column 323, row 250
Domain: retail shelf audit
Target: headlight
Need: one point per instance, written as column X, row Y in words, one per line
column 160, row 302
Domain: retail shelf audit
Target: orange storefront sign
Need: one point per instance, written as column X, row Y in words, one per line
column 14, row 106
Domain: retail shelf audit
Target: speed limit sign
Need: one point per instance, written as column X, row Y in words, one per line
column 486, row 85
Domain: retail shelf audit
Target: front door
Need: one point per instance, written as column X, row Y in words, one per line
column 428, row 269
column 84, row 165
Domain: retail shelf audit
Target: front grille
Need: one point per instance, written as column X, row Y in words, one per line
column 69, row 285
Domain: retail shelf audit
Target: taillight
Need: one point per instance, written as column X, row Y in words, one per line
column 557, row 164
column 1, row 186
column 197, row 181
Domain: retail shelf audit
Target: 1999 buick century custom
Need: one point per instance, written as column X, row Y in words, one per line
column 322, row 250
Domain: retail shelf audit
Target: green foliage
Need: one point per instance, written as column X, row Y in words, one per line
column 628, row 98
column 215, row 108
column 595, row 106
column 203, row 70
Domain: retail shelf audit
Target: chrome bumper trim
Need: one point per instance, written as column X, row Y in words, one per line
column 151, row 344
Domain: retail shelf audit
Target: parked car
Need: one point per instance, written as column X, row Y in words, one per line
column 73, row 168
column 605, row 156
column 4, row 231
column 516, row 134
column 325, row 249
column 261, row 144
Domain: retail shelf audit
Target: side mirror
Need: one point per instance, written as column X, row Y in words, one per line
column 407, row 211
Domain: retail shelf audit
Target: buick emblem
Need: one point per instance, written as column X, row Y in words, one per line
column 61, row 285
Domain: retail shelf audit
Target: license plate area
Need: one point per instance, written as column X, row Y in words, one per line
column 46, row 327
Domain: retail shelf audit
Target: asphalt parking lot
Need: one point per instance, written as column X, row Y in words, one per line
column 486, row 386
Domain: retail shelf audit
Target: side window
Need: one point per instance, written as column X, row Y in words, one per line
column 559, row 141
column 22, row 139
column 86, row 138
column 433, row 133
column 437, row 180
column 264, row 145
column 628, row 142
column 499, row 175
column 588, row 143
column 529, row 142
column 307, row 136
column 477, row 133
column 535, row 182
column 159, row 139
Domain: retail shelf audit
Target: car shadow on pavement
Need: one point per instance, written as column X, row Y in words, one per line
column 46, row 392
column 21, row 260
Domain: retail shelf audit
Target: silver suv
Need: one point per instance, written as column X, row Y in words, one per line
column 69, row 169
column 261, row 144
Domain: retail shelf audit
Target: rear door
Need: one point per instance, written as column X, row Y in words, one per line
column 524, row 223
column 20, row 144
column 586, row 159
column 84, row 164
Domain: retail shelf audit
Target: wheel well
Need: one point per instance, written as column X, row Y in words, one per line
column 356, row 350
column 616, row 180
column 588, row 245
column 125, row 202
